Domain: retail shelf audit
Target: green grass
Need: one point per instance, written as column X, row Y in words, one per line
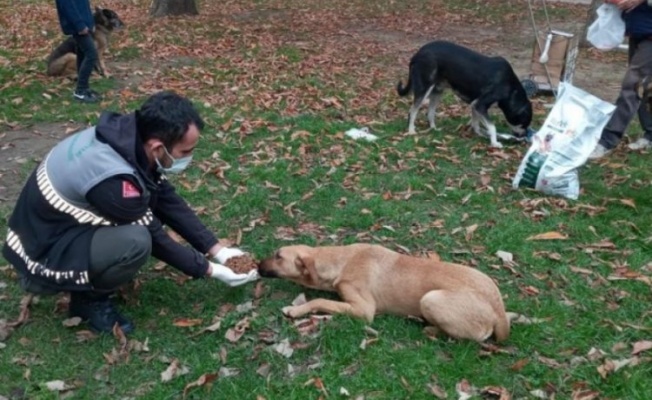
column 128, row 53
column 417, row 192
column 292, row 53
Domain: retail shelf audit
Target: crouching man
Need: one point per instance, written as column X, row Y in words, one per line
column 92, row 212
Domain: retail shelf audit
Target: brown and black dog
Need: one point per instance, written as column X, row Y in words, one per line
column 460, row 301
column 63, row 59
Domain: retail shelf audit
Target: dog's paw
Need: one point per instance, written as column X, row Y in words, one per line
column 497, row 145
column 289, row 311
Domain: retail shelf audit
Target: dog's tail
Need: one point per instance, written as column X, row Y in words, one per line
column 400, row 89
column 502, row 327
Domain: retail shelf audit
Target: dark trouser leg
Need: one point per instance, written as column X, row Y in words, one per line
column 86, row 59
column 646, row 119
column 628, row 103
column 117, row 253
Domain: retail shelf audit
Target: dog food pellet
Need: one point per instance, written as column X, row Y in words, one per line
column 242, row 264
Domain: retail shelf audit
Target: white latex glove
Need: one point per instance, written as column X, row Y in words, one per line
column 225, row 253
column 226, row 275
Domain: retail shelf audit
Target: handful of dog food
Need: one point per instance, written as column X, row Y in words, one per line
column 242, row 264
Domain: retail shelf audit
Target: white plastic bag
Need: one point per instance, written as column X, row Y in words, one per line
column 608, row 30
column 355, row 133
column 564, row 142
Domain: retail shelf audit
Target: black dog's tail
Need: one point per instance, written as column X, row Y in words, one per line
column 403, row 91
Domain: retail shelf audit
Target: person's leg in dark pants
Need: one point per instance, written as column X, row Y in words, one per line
column 117, row 253
column 644, row 115
column 628, row 103
column 86, row 61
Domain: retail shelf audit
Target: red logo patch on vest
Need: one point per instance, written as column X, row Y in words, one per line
column 129, row 190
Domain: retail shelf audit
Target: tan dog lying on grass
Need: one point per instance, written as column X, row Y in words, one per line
column 460, row 301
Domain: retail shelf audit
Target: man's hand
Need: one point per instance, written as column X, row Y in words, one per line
column 84, row 31
column 627, row 5
column 225, row 253
column 226, row 275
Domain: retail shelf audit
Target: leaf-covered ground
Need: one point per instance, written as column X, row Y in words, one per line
column 279, row 82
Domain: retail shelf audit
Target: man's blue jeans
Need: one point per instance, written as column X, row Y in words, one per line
column 86, row 59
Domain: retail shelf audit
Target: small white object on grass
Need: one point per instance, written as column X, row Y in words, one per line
column 355, row 133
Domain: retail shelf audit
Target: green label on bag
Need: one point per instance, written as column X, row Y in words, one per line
column 532, row 167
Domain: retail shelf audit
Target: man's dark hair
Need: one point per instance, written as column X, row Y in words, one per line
column 166, row 116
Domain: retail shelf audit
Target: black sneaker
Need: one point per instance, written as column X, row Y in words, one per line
column 86, row 96
column 100, row 313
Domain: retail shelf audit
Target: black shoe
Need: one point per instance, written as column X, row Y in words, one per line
column 86, row 96
column 100, row 313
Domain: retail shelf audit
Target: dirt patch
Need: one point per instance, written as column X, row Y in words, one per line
column 21, row 149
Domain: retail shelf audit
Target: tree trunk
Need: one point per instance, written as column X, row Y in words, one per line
column 163, row 8
column 590, row 17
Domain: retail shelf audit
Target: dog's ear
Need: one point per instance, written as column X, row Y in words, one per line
column 307, row 264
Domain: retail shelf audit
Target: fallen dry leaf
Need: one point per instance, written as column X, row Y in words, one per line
column 56, row 386
column 366, row 342
column 465, row 390
column 203, row 380
column 585, row 394
column 495, row 392
column 437, row 391
column 234, row 334
column 299, row 300
column 120, row 335
column 610, row 366
column 187, row 322
column 628, row 202
column 641, row 346
column 469, row 231
column 308, row 326
column 173, row 370
column 215, row 326
column 539, row 394
column 85, row 335
column 71, row 322
column 551, row 362
column 264, row 370
column 226, row 372
column 284, row 348
column 170, row 371
column 548, row 236
column 507, row 257
column 23, row 315
column 518, row 365
column 121, row 354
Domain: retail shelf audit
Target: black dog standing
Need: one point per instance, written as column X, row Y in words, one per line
column 475, row 78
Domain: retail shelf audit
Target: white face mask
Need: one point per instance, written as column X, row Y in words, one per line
column 178, row 164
